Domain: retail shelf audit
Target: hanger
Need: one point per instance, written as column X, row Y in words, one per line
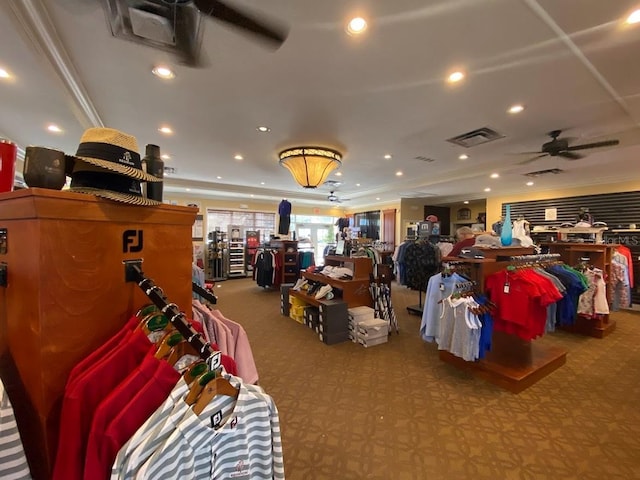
column 146, row 310
column 195, row 370
column 166, row 344
column 154, row 322
column 180, row 350
column 218, row 386
column 197, row 386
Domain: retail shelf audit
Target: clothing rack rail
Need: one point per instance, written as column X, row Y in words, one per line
column 204, row 293
column 535, row 258
column 175, row 316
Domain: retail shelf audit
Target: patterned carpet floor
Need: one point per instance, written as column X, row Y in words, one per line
column 396, row 412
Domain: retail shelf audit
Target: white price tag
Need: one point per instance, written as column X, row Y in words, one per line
column 506, row 288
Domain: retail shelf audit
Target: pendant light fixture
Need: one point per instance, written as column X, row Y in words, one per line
column 310, row 166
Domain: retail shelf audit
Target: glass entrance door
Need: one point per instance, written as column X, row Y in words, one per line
column 315, row 236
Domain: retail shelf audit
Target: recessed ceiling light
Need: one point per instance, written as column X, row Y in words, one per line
column 165, row 130
column 261, row 183
column 487, row 189
column 4, row 73
column 252, row 195
column 634, row 17
column 164, row 156
column 466, row 202
column 356, row 26
column 338, row 174
column 357, row 184
column 263, row 129
column 163, row 72
column 377, row 198
column 54, row 128
column 219, row 177
column 239, row 157
column 529, row 184
column 516, row 108
column 388, row 157
column 464, row 156
column 495, row 175
column 188, row 189
column 455, row 77
column 398, row 173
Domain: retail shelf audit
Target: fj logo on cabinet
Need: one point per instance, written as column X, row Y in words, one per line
column 132, row 241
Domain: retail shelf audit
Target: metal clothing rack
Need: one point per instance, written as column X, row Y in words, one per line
column 134, row 273
column 204, row 293
column 535, row 258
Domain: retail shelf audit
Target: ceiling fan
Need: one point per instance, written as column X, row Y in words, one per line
column 175, row 25
column 559, row 147
column 332, row 197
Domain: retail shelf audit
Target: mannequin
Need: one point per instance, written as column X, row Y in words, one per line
column 284, row 211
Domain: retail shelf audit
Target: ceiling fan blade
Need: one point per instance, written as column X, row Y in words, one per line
column 276, row 35
column 524, row 153
column 533, row 159
column 606, row 143
column 570, row 155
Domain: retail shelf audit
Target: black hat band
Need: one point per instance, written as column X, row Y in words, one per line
column 106, row 181
column 110, row 153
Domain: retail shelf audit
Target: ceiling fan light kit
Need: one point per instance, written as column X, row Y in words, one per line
column 310, row 166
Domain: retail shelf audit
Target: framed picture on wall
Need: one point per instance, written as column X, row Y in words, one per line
column 464, row 214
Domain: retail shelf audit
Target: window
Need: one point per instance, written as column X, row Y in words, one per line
column 221, row 219
column 369, row 224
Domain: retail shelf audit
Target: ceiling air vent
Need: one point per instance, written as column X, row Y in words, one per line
column 476, row 137
column 425, row 159
column 332, row 183
column 550, row 171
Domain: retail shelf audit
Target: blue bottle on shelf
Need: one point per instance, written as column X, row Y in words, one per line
column 506, row 236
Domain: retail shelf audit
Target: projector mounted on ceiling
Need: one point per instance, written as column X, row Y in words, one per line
column 176, row 25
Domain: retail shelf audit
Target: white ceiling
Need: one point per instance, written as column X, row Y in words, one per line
column 572, row 63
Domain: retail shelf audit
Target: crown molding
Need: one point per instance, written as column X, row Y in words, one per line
column 32, row 17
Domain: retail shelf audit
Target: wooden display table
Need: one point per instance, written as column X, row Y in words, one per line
column 513, row 363
column 66, row 292
column 354, row 292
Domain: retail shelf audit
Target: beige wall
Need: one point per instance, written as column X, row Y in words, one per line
column 413, row 211
column 494, row 204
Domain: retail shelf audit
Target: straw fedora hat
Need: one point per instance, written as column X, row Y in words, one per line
column 112, row 150
column 107, row 164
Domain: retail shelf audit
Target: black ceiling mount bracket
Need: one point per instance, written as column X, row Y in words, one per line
column 130, row 273
column 3, row 274
column 3, row 241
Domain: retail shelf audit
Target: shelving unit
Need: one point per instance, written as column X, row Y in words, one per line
column 600, row 256
column 354, row 292
column 216, row 256
column 236, row 252
column 288, row 251
column 252, row 242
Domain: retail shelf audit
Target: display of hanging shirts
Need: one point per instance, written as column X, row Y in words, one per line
column 231, row 438
column 107, row 402
column 594, row 300
column 13, row 463
column 521, row 299
column 236, row 341
column 439, row 287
